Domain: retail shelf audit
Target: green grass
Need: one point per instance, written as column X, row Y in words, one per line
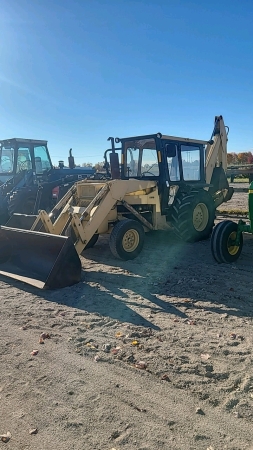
column 241, row 180
column 233, row 212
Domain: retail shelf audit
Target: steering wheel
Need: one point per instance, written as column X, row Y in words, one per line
column 150, row 173
column 22, row 165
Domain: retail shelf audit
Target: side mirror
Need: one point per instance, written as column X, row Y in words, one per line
column 171, row 150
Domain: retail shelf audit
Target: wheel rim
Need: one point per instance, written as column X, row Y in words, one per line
column 200, row 217
column 130, row 240
column 232, row 248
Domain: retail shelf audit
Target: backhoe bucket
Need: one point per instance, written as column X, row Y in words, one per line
column 43, row 260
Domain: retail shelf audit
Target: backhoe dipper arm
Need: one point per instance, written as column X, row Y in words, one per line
column 216, row 150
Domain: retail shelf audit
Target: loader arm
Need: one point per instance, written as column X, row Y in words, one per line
column 86, row 221
column 114, row 192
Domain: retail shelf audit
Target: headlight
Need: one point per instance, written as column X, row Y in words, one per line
column 117, row 140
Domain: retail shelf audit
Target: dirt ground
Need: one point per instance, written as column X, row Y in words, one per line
column 149, row 354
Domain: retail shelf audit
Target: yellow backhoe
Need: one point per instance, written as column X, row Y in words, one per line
column 163, row 182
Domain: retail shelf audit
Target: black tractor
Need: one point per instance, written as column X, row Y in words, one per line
column 28, row 179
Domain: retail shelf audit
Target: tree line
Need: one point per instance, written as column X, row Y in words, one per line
column 239, row 158
column 232, row 158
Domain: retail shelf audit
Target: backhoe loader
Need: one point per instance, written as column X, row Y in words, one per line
column 162, row 182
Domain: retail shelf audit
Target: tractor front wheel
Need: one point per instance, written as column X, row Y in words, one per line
column 127, row 239
column 223, row 242
column 193, row 216
column 22, row 201
column 70, row 233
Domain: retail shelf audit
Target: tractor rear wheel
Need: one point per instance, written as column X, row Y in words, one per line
column 127, row 239
column 223, row 242
column 193, row 216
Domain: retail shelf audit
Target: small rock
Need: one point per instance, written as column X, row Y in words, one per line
column 5, row 437
column 33, row 431
column 205, row 356
column 106, row 348
column 130, row 358
column 119, row 334
column 141, row 365
column 200, row 411
column 115, row 435
column 237, row 414
column 34, row 352
column 115, row 350
column 165, row 377
column 45, row 336
column 192, row 322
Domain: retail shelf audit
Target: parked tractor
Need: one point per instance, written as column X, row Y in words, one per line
column 162, row 183
column 27, row 177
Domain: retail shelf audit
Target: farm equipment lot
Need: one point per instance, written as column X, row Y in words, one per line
column 134, row 350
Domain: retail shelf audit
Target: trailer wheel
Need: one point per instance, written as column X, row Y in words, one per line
column 223, row 246
column 193, row 216
column 127, row 239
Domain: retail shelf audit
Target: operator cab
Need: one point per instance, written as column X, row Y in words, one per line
column 18, row 155
column 166, row 159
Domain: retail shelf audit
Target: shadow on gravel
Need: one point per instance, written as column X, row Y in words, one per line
column 165, row 275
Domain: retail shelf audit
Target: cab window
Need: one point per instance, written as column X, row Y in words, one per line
column 141, row 159
column 6, row 159
column 190, row 162
column 24, row 159
column 42, row 161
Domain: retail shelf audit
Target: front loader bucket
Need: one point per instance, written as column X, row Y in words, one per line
column 43, row 260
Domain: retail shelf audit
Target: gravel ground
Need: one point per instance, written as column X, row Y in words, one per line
column 154, row 353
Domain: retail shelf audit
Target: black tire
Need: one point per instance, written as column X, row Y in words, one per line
column 92, row 241
column 22, row 201
column 193, row 216
column 70, row 233
column 222, row 246
column 127, row 239
column 4, row 214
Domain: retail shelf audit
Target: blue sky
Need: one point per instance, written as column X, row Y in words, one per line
column 75, row 72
